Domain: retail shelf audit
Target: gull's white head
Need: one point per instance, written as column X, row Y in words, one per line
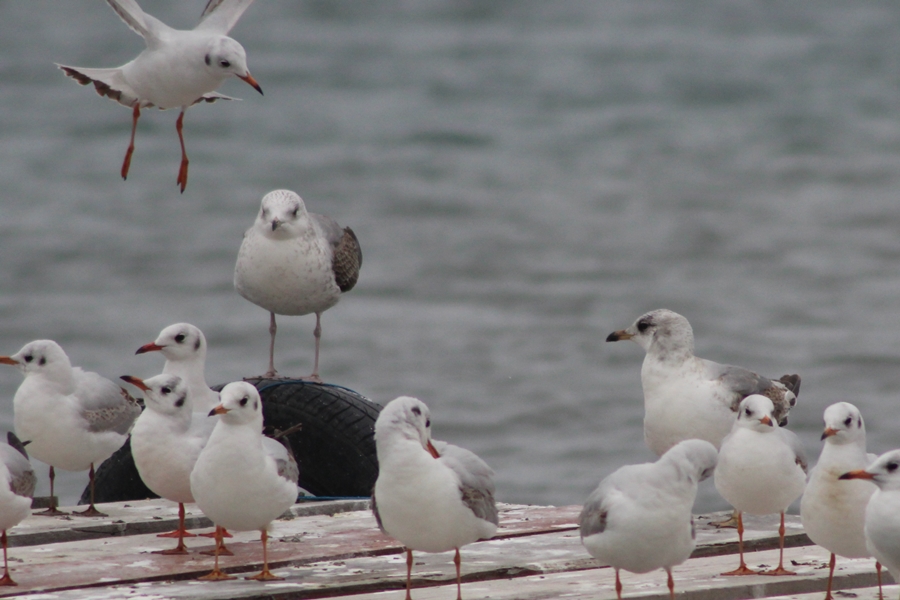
column 164, row 394
column 755, row 412
column 661, row 331
column 41, row 357
column 844, row 425
column 884, row 472
column 178, row 342
column 239, row 404
column 282, row 215
column 694, row 459
column 406, row 418
column 225, row 57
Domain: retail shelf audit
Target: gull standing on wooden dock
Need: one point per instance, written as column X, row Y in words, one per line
column 834, row 511
column 71, row 419
column 179, row 68
column 165, row 445
column 17, row 481
column 883, row 510
column 293, row 262
column 429, row 495
column 639, row 517
column 687, row 397
column 184, row 347
column 234, row 481
column 761, row 471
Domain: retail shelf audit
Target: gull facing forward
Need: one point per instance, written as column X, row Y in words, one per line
column 178, row 69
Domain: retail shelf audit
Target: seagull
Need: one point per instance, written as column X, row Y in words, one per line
column 687, row 397
column 430, row 495
column 883, row 510
column 165, row 444
column 833, row 512
column 184, row 347
column 179, row 68
column 639, row 517
column 71, row 418
column 761, row 470
column 17, row 481
column 234, row 481
column 293, row 262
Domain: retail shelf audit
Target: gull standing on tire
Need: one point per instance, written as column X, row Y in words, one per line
column 179, row 68
column 687, row 397
column 833, row 512
column 429, row 495
column 761, row 471
column 639, row 517
column 293, row 262
column 17, row 481
column 71, row 419
column 234, row 481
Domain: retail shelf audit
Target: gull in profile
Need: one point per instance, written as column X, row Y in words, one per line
column 177, row 69
column 429, row 495
column 72, row 419
column 639, row 517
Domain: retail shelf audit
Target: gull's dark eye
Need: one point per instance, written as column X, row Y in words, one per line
column 748, row 412
column 892, row 466
column 180, row 402
column 224, row 63
column 427, row 422
column 206, row 60
column 643, row 325
column 848, row 421
column 179, row 338
column 28, row 358
column 244, row 401
column 166, row 390
column 295, row 211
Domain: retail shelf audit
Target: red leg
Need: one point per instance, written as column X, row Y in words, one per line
column 181, row 532
column 265, row 574
column 220, row 534
column 52, row 511
column 742, row 568
column 831, row 563
column 6, row 580
column 780, row 570
column 216, row 574
column 458, row 561
column 409, row 564
column 618, row 586
column 126, row 164
column 183, row 170
column 671, row 583
column 878, row 570
column 90, row 511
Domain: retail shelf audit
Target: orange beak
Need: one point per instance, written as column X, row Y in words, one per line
column 135, row 381
column 828, row 433
column 766, row 421
column 249, row 79
column 218, row 410
column 859, row 474
column 151, row 347
column 618, row 336
column 433, row 450
column 6, row 360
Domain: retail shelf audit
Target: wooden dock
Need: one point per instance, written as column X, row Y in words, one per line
column 334, row 549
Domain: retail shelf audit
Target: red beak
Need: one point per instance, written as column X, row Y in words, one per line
column 249, row 79
column 828, row 433
column 151, row 347
column 5, row 360
column 433, row 450
column 218, row 410
column 766, row 421
column 135, row 381
column 859, row 474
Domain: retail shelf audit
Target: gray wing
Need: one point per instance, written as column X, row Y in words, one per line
column 22, row 477
column 594, row 514
column 141, row 23
column 476, row 480
column 791, row 439
column 741, row 382
column 285, row 462
column 104, row 405
column 220, row 16
column 346, row 252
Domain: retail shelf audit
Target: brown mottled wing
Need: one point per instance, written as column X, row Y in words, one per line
column 594, row 514
column 740, row 383
column 102, row 404
column 476, row 480
column 107, row 82
column 347, row 261
column 22, row 478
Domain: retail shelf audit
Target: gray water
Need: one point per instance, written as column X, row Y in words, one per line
column 524, row 177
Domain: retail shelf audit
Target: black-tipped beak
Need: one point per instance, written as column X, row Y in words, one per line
column 249, row 79
column 617, row 336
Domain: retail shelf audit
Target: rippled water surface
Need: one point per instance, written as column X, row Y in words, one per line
column 524, row 177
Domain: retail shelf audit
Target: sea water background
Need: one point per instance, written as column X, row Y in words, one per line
column 524, row 177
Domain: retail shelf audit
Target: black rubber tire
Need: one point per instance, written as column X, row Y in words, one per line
column 335, row 447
